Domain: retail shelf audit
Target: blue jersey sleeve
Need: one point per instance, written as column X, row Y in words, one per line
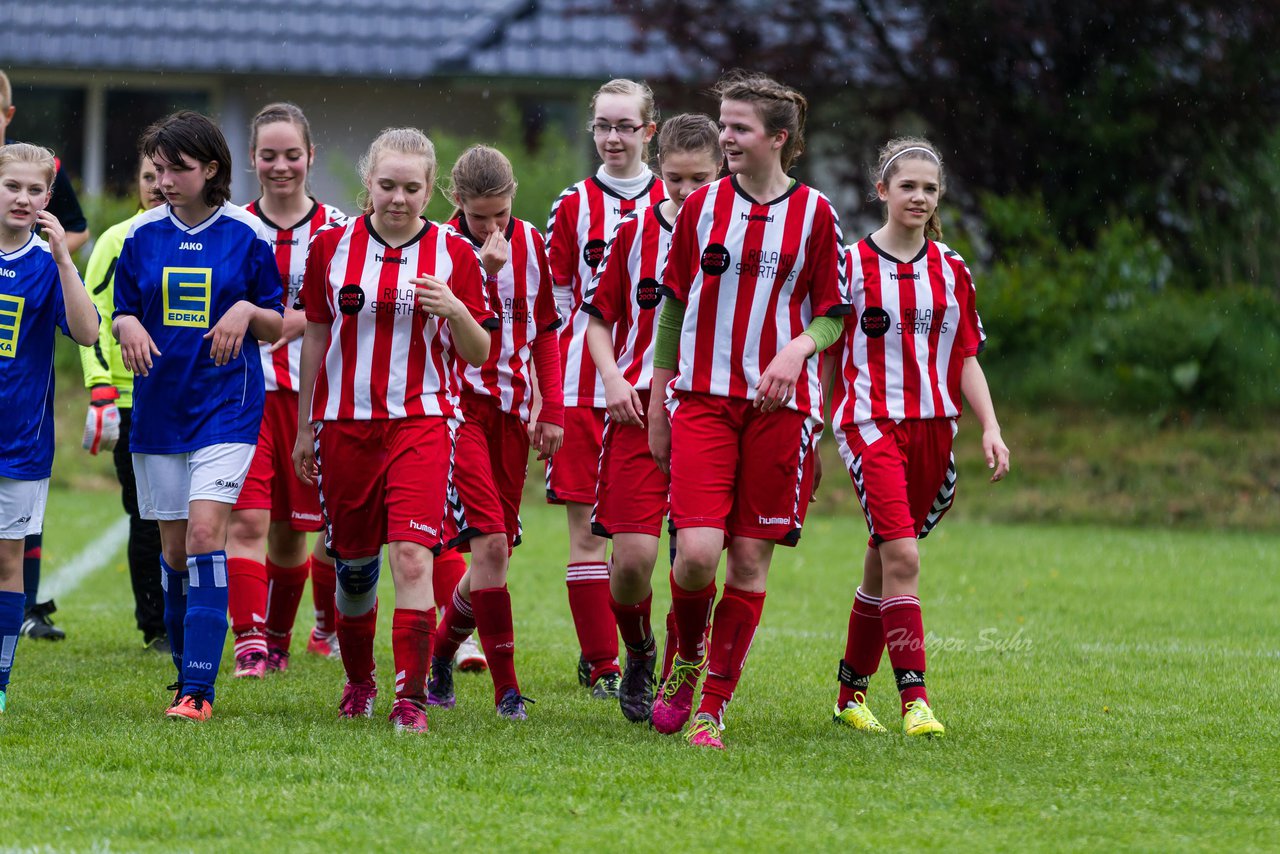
column 128, row 298
column 264, row 288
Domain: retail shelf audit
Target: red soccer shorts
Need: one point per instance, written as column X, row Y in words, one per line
column 490, row 462
column 573, row 472
column 631, row 497
column 271, row 483
column 906, row 480
column 738, row 469
column 384, row 481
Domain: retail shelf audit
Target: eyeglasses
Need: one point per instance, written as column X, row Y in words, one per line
column 604, row 129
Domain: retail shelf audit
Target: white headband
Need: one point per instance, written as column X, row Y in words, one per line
column 885, row 170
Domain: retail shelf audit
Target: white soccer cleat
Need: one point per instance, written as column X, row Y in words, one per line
column 470, row 658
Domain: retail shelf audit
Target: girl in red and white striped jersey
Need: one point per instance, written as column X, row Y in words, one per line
column 582, row 220
column 623, row 301
column 391, row 299
column 492, row 450
column 275, row 511
column 754, row 284
column 909, row 351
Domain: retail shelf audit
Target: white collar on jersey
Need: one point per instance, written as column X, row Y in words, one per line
column 627, row 188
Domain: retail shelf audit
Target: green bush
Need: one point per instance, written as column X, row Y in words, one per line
column 1187, row 353
column 1037, row 292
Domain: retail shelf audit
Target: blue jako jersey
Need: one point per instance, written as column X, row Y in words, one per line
column 179, row 281
column 31, row 308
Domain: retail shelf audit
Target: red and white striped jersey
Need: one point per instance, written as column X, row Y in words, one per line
column 280, row 369
column 753, row 277
column 386, row 358
column 523, row 301
column 582, row 220
column 627, row 290
column 913, row 325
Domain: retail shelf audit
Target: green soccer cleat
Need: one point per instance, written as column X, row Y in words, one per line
column 919, row 720
column 857, row 715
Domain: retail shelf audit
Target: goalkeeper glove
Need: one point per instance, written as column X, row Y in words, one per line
column 102, row 424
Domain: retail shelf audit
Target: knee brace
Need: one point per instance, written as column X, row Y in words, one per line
column 357, row 585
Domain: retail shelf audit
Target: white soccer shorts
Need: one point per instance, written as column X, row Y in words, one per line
column 22, row 507
column 168, row 483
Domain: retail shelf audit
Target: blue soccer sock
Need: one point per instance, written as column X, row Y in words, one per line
column 174, row 584
column 11, row 611
column 206, row 623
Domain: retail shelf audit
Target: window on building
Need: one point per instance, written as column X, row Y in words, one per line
column 129, row 112
column 51, row 116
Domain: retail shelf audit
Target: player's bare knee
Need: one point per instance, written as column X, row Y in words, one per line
column 489, row 557
column 246, row 530
column 204, row 536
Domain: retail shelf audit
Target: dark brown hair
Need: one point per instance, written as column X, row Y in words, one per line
column 196, row 136
column 779, row 107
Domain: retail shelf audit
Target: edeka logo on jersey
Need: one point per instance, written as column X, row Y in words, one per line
column 10, row 324
column 186, row 296
column 593, row 253
column 715, row 259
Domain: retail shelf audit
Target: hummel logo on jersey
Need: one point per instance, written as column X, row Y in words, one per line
column 284, row 241
column 756, row 217
column 385, row 260
column 897, row 276
column 194, row 247
column 10, row 323
column 773, row 520
column 307, row 517
column 186, row 293
column 418, row 526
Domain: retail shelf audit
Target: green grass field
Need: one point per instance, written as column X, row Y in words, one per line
column 1101, row 688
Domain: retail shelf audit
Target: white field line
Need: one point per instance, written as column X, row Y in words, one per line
column 93, row 558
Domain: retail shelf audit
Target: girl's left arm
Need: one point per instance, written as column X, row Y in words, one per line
column 973, row 384
column 82, row 316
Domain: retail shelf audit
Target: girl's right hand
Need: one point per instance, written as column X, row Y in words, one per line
column 494, row 253
column 304, row 455
column 623, row 401
column 136, row 346
column 660, row 436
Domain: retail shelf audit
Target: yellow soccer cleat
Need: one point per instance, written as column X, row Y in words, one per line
column 857, row 715
column 919, row 720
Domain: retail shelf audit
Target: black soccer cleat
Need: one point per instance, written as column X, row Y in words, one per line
column 635, row 691
column 37, row 625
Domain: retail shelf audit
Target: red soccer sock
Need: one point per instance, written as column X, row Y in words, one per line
column 634, row 626
column 458, row 623
column 692, row 616
column 588, row 585
column 498, row 637
column 247, row 604
column 411, row 635
column 732, row 631
column 284, row 591
column 355, row 643
column 904, row 636
column 863, row 647
column 669, row 645
column 324, row 586
column 446, row 572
